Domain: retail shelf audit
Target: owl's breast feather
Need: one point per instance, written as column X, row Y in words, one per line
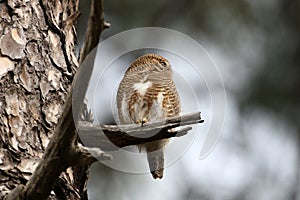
column 141, row 87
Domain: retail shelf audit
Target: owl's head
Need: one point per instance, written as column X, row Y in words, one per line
column 149, row 63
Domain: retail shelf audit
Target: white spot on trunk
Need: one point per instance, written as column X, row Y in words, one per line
column 5, row 65
column 16, row 36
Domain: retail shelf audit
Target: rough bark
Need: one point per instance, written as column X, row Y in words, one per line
column 37, row 66
column 39, row 151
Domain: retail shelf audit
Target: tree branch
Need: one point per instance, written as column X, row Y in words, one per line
column 96, row 25
column 63, row 150
column 94, row 28
column 113, row 137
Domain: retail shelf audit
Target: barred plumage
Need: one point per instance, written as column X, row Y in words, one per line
column 147, row 93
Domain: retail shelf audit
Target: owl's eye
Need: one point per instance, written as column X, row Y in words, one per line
column 163, row 63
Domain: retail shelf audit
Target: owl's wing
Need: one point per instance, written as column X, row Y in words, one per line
column 171, row 100
column 120, row 96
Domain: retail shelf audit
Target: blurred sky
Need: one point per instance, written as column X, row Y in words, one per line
column 254, row 45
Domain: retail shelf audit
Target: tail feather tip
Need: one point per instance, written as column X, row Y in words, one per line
column 158, row 174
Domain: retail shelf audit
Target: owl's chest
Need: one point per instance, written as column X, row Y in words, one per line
column 143, row 101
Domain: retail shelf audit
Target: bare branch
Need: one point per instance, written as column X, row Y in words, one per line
column 96, row 25
column 63, row 150
column 89, row 155
column 112, row 137
column 88, row 52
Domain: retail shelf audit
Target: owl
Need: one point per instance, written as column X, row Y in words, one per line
column 147, row 93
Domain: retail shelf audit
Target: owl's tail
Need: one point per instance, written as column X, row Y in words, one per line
column 155, row 156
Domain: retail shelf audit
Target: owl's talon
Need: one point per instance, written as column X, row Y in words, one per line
column 138, row 121
column 145, row 120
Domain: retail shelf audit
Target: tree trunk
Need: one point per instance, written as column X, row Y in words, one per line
column 37, row 66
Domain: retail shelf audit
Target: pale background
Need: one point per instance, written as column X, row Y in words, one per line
column 255, row 45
